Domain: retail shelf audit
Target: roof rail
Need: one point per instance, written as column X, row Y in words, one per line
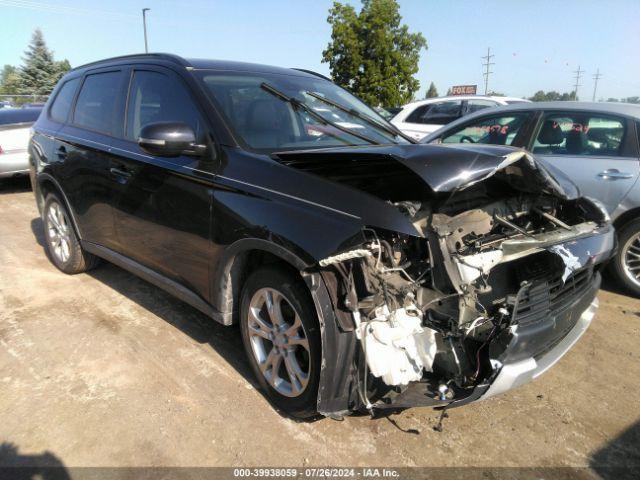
column 160, row 56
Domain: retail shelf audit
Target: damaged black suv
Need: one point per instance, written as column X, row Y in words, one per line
column 364, row 271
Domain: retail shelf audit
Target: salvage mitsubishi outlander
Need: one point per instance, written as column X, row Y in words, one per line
column 365, row 272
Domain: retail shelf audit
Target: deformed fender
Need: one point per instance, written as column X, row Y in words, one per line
column 222, row 282
column 337, row 347
column 338, row 352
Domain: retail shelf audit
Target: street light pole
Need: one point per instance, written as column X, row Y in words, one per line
column 144, row 26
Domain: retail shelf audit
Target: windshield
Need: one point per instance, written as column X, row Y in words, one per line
column 269, row 122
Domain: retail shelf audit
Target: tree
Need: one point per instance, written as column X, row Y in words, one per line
column 372, row 54
column 39, row 72
column 9, row 82
column 496, row 94
column 551, row 96
column 432, row 92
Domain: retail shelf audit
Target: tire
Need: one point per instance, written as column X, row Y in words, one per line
column 62, row 244
column 290, row 340
column 625, row 263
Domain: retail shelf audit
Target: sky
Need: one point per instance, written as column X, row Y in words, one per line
column 538, row 45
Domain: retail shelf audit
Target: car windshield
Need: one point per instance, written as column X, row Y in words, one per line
column 273, row 112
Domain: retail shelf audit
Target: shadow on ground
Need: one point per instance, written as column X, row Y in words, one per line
column 225, row 340
column 611, row 285
column 18, row 466
column 14, row 185
column 620, row 457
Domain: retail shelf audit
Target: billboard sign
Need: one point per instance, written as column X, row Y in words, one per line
column 464, row 89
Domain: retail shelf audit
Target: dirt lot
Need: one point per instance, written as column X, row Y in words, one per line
column 105, row 369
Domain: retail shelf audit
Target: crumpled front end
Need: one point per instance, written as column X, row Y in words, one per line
column 497, row 285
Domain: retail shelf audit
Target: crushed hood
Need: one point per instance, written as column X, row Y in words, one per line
column 444, row 168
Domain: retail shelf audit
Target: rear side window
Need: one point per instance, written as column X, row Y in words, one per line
column 475, row 105
column 97, row 104
column 62, row 103
column 439, row 113
column 580, row 134
column 156, row 97
column 498, row 130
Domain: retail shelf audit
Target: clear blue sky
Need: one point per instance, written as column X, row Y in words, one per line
column 537, row 44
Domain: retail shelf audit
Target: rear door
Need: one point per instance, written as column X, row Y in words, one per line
column 163, row 205
column 597, row 151
column 83, row 150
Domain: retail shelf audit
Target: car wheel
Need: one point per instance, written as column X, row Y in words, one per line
column 61, row 240
column 626, row 264
column 281, row 336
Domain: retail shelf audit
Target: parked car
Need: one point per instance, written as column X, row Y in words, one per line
column 364, row 271
column 595, row 144
column 423, row 117
column 14, row 140
column 33, row 105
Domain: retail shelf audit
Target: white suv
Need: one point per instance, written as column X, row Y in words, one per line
column 418, row 119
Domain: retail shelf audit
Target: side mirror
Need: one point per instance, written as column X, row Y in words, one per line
column 169, row 139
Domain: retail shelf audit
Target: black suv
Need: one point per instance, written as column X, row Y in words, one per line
column 365, row 271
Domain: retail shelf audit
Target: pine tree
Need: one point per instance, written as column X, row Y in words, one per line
column 432, row 92
column 40, row 72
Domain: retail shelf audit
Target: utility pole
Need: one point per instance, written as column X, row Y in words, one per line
column 596, row 77
column 487, row 64
column 578, row 84
column 144, row 26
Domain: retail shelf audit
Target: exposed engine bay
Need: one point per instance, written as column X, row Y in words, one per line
column 483, row 283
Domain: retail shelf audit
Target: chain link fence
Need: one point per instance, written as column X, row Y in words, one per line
column 8, row 101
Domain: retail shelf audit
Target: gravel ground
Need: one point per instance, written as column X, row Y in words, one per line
column 103, row 369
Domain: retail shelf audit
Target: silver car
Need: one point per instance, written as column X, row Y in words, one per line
column 596, row 144
column 15, row 124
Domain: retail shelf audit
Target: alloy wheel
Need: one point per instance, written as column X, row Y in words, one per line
column 631, row 258
column 58, row 232
column 279, row 342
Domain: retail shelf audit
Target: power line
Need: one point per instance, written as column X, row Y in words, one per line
column 577, row 84
column 487, row 64
column 60, row 8
column 596, row 77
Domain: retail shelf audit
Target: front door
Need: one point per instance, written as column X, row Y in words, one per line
column 597, row 151
column 163, row 206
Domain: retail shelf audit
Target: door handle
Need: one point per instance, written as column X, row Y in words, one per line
column 120, row 173
column 61, row 153
column 614, row 174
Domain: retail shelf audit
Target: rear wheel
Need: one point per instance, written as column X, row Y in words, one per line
column 626, row 264
column 62, row 243
column 282, row 339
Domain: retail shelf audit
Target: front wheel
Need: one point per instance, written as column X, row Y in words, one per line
column 282, row 339
column 626, row 263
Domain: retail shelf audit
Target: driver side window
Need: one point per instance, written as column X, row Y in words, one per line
column 501, row 130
